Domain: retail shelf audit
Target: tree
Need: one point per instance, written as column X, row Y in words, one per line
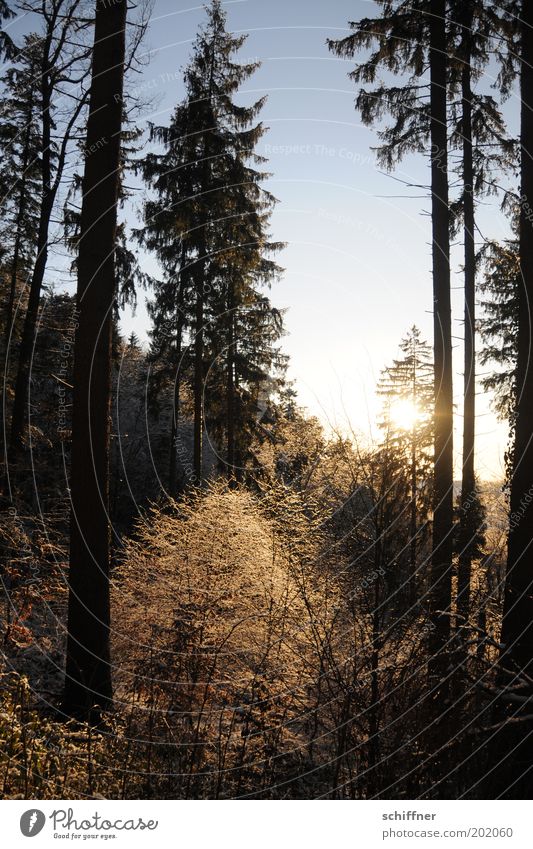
column 20, row 176
column 478, row 132
column 7, row 47
column 19, row 170
column 410, row 37
column 407, row 390
column 499, row 331
column 517, row 624
column 63, row 66
column 255, row 370
column 441, row 563
column 469, row 393
column 88, row 670
column 208, row 225
column 169, row 309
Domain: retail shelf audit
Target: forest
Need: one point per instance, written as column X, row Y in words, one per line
column 207, row 591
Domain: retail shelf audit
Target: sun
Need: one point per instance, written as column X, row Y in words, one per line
column 405, row 414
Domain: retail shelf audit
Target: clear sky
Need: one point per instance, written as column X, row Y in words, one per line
column 358, row 257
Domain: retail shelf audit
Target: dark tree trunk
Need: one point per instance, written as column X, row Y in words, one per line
column 230, row 388
column 441, row 563
column 515, row 753
column 172, row 464
column 172, row 472
column 413, row 529
column 413, row 524
column 517, row 630
column 468, row 482
column 88, row 672
column 374, row 749
column 198, row 455
column 199, row 383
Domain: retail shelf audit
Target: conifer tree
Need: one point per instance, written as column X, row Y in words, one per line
column 477, row 131
column 409, row 39
column 499, row 288
column 7, row 47
column 517, row 624
column 19, row 173
column 88, row 682
column 441, row 563
column 407, row 389
column 208, row 225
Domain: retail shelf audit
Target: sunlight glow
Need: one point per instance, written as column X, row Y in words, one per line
column 405, row 414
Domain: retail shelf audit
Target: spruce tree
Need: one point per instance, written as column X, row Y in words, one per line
column 479, row 135
column 499, row 288
column 88, row 682
column 208, row 225
column 477, row 132
column 441, row 563
column 517, row 624
column 7, row 47
column 407, row 390
column 409, row 39
column 20, row 174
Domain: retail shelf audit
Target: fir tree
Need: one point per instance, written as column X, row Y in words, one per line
column 515, row 753
column 7, row 47
column 479, row 134
column 208, row 225
column 499, row 288
column 498, row 326
column 88, row 669
column 403, row 36
column 410, row 39
column 407, row 389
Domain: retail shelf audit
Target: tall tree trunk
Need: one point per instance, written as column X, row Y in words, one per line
column 88, row 670
column 413, row 530
column 199, row 381
column 230, row 388
column 198, row 386
column 172, row 463
column 468, row 482
column 516, row 760
column 172, row 472
column 441, row 562
column 200, row 297
column 413, row 525
column 374, row 749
